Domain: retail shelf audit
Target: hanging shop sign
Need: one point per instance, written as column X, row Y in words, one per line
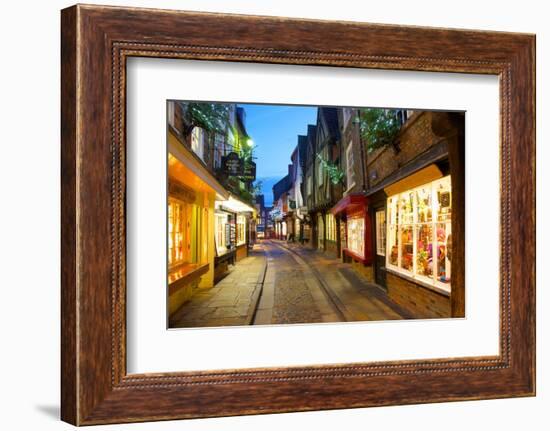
column 249, row 171
column 233, row 165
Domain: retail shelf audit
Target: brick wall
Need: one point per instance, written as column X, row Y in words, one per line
column 420, row 301
column 366, row 271
column 415, row 138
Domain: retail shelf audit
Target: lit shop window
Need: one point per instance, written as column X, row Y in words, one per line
column 241, row 229
column 175, row 232
column 419, row 233
column 184, row 232
column 331, row 227
column 320, row 231
column 356, row 235
column 221, row 242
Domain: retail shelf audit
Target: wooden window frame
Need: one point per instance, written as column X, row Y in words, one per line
column 183, row 208
column 433, row 284
column 241, row 225
column 96, row 41
column 381, row 233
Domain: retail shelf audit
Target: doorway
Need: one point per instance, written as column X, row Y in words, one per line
column 380, row 246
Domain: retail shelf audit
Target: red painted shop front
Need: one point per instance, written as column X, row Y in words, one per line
column 358, row 230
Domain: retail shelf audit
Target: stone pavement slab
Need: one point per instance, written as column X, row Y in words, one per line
column 230, row 302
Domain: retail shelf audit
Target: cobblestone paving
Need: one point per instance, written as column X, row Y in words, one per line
column 293, row 300
column 300, row 286
column 291, row 293
column 358, row 299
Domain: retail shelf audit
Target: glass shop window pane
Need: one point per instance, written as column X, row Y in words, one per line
column 443, row 194
column 424, row 250
column 424, row 203
column 407, row 248
column 406, row 207
column 444, row 244
column 393, row 246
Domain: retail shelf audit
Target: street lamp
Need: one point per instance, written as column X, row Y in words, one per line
column 250, row 142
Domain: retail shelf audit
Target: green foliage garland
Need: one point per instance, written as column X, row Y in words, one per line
column 379, row 127
column 212, row 117
column 335, row 174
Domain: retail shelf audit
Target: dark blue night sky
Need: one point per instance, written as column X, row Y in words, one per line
column 275, row 130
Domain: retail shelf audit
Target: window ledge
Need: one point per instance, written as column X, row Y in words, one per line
column 356, row 256
column 185, row 273
column 437, row 289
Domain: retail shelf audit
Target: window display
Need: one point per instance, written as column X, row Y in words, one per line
column 407, row 248
column 424, row 250
column 320, row 231
column 183, row 232
column 175, row 232
column 419, row 233
column 241, row 229
column 331, row 227
column 221, row 232
column 356, row 235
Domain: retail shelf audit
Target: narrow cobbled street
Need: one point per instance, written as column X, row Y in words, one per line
column 282, row 283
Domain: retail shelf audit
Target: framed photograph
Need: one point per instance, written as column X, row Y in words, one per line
column 265, row 215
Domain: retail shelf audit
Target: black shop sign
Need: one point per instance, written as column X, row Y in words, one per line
column 249, row 171
column 233, row 165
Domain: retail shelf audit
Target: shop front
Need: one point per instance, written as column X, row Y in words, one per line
column 231, row 233
column 187, row 226
column 241, row 236
column 419, row 232
column 192, row 192
column 225, row 243
column 298, row 234
column 281, row 229
column 331, row 234
column 306, row 228
column 413, row 238
column 353, row 212
column 301, row 227
column 320, row 231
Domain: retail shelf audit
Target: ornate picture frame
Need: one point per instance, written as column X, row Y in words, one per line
column 96, row 41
